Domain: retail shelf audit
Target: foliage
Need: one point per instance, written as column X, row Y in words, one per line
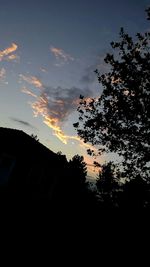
column 78, row 169
column 106, row 178
column 119, row 120
column 135, row 194
column 35, row 137
column 108, row 183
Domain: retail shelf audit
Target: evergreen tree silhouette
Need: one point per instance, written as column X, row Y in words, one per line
column 108, row 185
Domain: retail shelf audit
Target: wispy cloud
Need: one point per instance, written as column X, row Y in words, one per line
column 24, row 123
column 28, row 91
column 2, row 74
column 43, row 70
column 13, row 57
column 7, row 53
column 33, row 80
column 61, row 55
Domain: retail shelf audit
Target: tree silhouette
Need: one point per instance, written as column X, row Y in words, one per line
column 119, row 119
column 107, row 184
column 80, row 195
column 35, row 137
column 78, row 169
column 135, row 194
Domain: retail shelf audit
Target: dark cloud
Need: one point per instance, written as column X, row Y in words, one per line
column 89, row 75
column 25, row 123
column 59, row 103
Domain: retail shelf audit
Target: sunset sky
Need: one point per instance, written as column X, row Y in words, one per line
column 48, row 53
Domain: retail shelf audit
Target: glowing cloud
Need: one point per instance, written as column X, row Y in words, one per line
column 55, row 105
column 40, row 107
column 61, row 54
column 5, row 54
column 32, row 80
column 13, row 57
column 28, row 92
column 58, row 102
column 55, row 110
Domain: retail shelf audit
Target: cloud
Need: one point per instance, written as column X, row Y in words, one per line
column 28, row 92
column 12, row 57
column 6, row 54
column 60, row 64
column 32, row 80
column 43, row 70
column 59, row 102
column 89, row 75
column 61, row 55
column 24, row 123
column 2, row 74
column 55, row 105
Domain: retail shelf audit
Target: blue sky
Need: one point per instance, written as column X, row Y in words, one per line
column 48, row 52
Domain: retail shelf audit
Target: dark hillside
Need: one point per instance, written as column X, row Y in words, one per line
column 27, row 167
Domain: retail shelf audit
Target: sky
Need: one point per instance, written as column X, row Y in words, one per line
column 48, row 53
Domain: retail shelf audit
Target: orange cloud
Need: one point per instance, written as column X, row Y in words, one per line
column 28, row 92
column 52, row 121
column 5, row 54
column 39, row 108
column 54, row 106
column 32, row 80
column 12, row 57
column 54, row 124
column 61, row 54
